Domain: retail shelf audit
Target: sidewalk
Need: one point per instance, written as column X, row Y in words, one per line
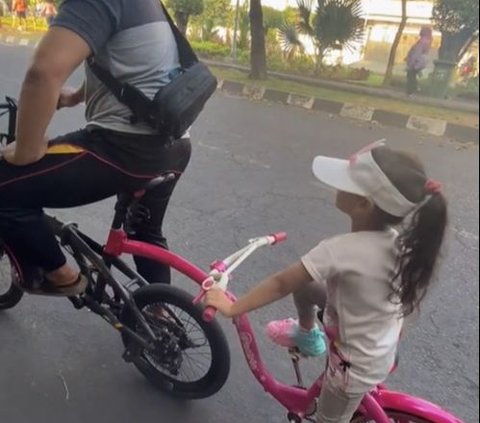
column 464, row 106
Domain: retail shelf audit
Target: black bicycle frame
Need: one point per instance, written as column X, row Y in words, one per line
column 91, row 258
column 11, row 108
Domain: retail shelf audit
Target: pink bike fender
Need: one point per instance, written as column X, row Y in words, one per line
column 415, row 406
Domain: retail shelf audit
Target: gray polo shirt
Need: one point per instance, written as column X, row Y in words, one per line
column 131, row 38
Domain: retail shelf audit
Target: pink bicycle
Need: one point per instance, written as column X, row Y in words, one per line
column 168, row 335
column 380, row 405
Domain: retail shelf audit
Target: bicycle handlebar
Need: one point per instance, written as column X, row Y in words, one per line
column 221, row 270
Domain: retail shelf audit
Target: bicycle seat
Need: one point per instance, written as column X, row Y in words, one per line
column 152, row 184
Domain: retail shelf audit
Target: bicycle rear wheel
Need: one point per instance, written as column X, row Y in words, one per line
column 191, row 359
column 395, row 417
column 10, row 294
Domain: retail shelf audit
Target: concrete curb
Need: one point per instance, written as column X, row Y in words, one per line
column 362, row 113
column 356, row 89
column 426, row 125
column 18, row 41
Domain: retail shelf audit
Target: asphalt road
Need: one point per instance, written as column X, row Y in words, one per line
column 249, row 175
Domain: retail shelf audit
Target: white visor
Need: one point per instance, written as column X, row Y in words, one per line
column 361, row 175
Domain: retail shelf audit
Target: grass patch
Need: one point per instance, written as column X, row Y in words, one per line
column 33, row 25
column 404, row 107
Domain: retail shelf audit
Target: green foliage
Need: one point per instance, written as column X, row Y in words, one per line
column 244, row 26
column 186, row 7
column 210, row 50
column 454, row 16
column 458, row 22
column 332, row 24
column 216, row 13
column 338, row 23
column 290, row 16
column 290, row 40
column 272, row 18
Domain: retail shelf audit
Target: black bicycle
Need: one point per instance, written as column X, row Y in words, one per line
column 162, row 329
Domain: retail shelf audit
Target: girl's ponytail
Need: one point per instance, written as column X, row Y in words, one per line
column 421, row 232
column 420, row 245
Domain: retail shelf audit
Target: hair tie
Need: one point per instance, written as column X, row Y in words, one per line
column 433, row 187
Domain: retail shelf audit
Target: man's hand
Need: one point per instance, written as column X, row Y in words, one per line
column 9, row 155
column 69, row 97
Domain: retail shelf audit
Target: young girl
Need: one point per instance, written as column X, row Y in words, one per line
column 366, row 281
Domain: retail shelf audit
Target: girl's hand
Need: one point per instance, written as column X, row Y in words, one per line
column 216, row 298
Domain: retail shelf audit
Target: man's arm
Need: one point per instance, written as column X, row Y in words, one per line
column 59, row 53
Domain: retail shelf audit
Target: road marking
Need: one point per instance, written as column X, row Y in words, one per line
column 24, row 42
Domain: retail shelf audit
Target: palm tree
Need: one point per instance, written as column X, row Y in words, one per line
column 290, row 41
column 331, row 24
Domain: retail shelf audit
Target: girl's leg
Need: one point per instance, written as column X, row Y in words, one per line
column 307, row 300
column 304, row 334
column 336, row 405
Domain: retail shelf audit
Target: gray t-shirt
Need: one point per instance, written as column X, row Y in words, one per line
column 362, row 323
column 132, row 39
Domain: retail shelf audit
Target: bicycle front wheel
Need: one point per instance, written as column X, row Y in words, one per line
column 395, row 417
column 191, row 359
column 10, row 294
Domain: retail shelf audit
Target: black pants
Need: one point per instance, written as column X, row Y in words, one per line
column 412, row 81
column 82, row 168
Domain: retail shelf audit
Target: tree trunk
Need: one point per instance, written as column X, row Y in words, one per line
column 181, row 19
column 454, row 46
column 258, row 57
column 319, row 56
column 396, row 42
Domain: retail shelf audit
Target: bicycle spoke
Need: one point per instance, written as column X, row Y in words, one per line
column 195, row 356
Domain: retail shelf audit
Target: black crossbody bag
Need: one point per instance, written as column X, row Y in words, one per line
column 176, row 105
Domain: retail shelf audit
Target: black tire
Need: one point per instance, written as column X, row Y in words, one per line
column 10, row 294
column 219, row 368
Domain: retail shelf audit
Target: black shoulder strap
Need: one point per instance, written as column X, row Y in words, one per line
column 139, row 103
column 185, row 52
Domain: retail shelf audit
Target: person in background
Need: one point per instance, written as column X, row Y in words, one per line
column 49, row 11
column 19, row 11
column 417, row 59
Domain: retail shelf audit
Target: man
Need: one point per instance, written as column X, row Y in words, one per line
column 134, row 41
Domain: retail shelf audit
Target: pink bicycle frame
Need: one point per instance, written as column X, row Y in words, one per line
column 295, row 400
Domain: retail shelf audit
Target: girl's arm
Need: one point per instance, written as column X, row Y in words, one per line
column 270, row 290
